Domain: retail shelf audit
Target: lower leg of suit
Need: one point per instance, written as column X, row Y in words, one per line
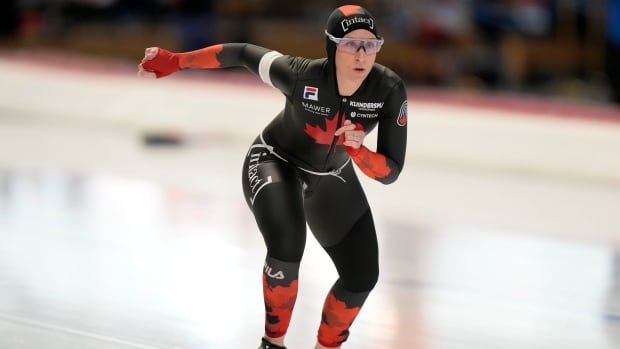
column 278, row 210
column 280, row 292
column 356, row 259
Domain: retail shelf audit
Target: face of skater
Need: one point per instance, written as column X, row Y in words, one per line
column 354, row 67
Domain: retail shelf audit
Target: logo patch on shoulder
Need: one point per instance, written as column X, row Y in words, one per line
column 311, row 93
column 402, row 115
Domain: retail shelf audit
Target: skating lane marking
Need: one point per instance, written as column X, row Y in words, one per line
column 75, row 332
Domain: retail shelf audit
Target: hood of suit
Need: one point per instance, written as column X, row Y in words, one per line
column 344, row 20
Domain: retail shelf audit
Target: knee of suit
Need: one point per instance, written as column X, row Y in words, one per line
column 279, row 272
column 356, row 257
column 285, row 255
column 361, row 281
column 287, row 246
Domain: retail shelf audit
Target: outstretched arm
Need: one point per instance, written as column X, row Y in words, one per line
column 163, row 62
column 273, row 68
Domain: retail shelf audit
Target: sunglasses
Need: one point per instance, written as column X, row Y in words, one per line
column 352, row 45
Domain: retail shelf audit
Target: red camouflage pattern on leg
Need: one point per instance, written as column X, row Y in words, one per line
column 279, row 304
column 337, row 318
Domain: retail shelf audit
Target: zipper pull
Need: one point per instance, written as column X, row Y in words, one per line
column 344, row 101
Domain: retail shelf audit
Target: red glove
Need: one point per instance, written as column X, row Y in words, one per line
column 164, row 63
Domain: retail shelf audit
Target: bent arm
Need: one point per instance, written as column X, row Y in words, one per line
column 386, row 163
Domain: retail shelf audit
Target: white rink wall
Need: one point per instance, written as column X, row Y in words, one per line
column 471, row 167
column 443, row 133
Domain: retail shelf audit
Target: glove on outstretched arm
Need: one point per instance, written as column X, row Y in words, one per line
column 159, row 62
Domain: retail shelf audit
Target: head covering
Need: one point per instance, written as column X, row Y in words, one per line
column 344, row 20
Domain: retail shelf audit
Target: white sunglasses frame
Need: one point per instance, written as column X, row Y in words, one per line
column 337, row 41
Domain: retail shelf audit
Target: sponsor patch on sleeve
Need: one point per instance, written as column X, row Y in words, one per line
column 402, row 115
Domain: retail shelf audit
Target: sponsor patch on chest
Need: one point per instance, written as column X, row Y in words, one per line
column 366, row 106
column 363, row 115
column 316, row 109
column 311, row 93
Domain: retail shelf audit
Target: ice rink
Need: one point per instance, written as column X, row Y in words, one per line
column 503, row 230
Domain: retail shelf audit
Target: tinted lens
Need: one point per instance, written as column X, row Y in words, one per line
column 372, row 46
column 350, row 46
column 353, row 45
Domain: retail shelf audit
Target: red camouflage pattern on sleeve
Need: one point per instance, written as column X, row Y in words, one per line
column 374, row 165
column 203, row 58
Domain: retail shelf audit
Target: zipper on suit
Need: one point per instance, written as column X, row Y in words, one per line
column 341, row 115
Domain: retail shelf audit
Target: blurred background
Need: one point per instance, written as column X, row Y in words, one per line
column 122, row 220
column 544, row 47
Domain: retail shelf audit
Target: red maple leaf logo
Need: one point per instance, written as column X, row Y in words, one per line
column 326, row 136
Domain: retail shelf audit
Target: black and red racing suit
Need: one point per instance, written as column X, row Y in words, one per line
column 298, row 172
